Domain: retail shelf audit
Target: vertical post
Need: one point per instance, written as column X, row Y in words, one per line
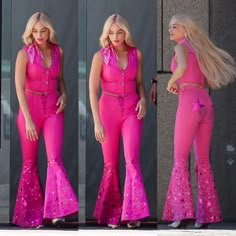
column 1, row 74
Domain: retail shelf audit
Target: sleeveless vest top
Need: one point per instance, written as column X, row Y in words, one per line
column 193, row 74
column 116, row 80
column 40, row 78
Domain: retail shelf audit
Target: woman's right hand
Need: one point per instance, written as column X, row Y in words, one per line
column 153, row 94
column 31, row 132
column 99, row 132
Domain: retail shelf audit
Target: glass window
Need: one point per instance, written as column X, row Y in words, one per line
column 6, row 112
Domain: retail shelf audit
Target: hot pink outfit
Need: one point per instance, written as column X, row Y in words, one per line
column 119, row 118
column 193, row 125
column 59, row 200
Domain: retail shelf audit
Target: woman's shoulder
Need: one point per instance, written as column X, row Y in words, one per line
column 139, row 52
column 22, row 52
column 57, row 47
column 181, row 48
column 103, row 50
column 25, row 48
column 22, row 55
column 136, row 51
column 98, row 53
column 98, row 56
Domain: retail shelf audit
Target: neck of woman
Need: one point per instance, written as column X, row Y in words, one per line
column 44, row 47
column 120, row 48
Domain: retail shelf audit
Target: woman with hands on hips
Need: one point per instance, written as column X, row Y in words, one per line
column 41, row 93
column 119, row 112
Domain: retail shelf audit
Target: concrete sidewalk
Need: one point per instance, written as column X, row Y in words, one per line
column 98, row 232
column 73, row 228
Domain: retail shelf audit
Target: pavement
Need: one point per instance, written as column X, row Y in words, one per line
column 220, row 229
column 99, row 232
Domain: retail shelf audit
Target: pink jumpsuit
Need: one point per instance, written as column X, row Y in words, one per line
column 59, row 200
column 193, row 125
column 117, row 111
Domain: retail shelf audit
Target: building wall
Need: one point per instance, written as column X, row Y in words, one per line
column 223, row 151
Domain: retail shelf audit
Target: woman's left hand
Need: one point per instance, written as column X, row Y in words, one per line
column 172, row 87
column 141, row 108
column 61, row 102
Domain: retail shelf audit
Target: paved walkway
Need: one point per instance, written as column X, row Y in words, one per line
column 98, row 232
column 71, row 229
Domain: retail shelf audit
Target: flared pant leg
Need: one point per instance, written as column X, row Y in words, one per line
column 179, row 201
column 121, row 119
column 194, row 123
column 28, row 210
column 208, row 208
column 108, row 206
column 135, row 202
column 60, row 199
column 109, row 203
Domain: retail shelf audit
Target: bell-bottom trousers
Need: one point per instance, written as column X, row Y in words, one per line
column 193, row 125
column 59, row 198
column 119, row 118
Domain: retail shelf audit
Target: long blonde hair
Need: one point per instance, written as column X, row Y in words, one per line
column 122, row 23
column 43, row 18
column 216, row 64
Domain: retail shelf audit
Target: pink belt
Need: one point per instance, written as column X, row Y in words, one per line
column 113, row 94
column 191, row 84
column 39, row 93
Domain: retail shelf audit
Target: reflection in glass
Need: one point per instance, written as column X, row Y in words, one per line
column 6, row 113
column 83, row 114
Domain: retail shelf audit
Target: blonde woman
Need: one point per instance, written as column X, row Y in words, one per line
column 119, row 112
column 41, row 94
column 196, row 63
